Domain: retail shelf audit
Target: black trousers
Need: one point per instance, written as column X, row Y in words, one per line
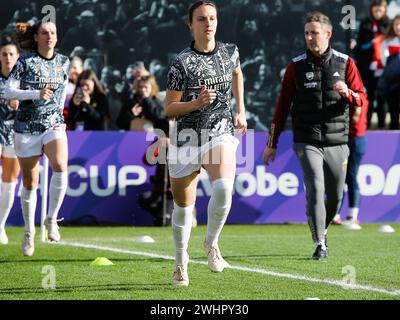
column 393, row 100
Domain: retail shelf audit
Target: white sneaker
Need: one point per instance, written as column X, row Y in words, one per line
column 180, row 276
column 28, row 244
column 215, row 260
column 3, row 236
column 351, row 224
column 53, row 233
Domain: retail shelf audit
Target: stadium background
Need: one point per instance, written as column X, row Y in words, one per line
column 121, row 32
column 113, row 35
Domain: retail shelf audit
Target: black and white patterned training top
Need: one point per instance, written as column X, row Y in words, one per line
column 36, row 73
column 7, row 115
column 190, row 71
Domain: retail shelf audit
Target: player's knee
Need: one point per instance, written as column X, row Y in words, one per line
column 30, row 184
column 222, row 192
column 59, row 167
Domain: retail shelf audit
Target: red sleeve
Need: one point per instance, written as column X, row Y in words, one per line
column 283, row 106
column 355, row 85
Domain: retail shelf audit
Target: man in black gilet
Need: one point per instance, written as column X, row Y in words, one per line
column 319, row 88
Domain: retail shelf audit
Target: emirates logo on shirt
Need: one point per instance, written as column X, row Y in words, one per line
column 216, row 83
column 49, row 82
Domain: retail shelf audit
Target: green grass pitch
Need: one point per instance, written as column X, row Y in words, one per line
column 268, row 262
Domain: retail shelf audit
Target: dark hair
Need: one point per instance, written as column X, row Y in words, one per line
column 91, row 75
column 8, row 39
column 26, row 34
column 377, row 3
column 390, row 34
column 317, row 16
column 197, row 4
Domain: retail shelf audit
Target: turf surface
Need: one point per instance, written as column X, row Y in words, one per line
column 269, row 262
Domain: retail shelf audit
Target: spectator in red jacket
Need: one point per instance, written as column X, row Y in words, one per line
column 368, row 57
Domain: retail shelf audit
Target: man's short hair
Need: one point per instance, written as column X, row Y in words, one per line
column 317, row 16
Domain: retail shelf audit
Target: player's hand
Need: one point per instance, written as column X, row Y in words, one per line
column 341, row 88
column 240, row 122
column 269, row 153
column 14, row 104
column 85, row 96
column 77, row 100
column 78, row 96
column 206, row 97
column 137, row 110
column 353, row 44
column 46, row 94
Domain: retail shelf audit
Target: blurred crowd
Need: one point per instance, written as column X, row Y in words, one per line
column 120, row 52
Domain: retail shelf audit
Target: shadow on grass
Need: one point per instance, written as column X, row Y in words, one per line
column 267, row 256
column 120, row 287
column 56, row 261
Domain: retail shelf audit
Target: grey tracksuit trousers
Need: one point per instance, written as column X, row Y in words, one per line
column 324, row 171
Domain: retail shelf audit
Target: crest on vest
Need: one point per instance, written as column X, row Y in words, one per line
column 309, row 76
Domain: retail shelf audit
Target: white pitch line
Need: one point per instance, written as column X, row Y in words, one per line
column 246, row 269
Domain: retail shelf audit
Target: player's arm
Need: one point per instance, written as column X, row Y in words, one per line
column 65, row 85
column 176, row 85
column 12, row 89
column 238, row 93
column 63, row 94
column 13, row 92
column 175, row 107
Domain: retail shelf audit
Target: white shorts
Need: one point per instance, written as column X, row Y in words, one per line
column 185, row 160
column 7, row 151
column 28, row 145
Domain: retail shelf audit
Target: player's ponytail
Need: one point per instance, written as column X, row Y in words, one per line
column 25, row 36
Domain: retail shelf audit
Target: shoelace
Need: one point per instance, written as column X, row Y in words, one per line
column 179, row 273
column 59, row 220
column 214, row 254
column 50, row 221
column 28, row 238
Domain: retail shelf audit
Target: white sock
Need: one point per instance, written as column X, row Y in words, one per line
column 58, row 187
column 218, row 209
column 353, row 213
column 337, row 217
column 6, row 201
column 28, row 204
column 181, row 228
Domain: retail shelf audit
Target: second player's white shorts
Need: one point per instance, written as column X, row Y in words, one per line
column 28, row 145
column 185, row 160
column 7, row 151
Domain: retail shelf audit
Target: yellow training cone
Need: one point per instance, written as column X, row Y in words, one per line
column 101, row 261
